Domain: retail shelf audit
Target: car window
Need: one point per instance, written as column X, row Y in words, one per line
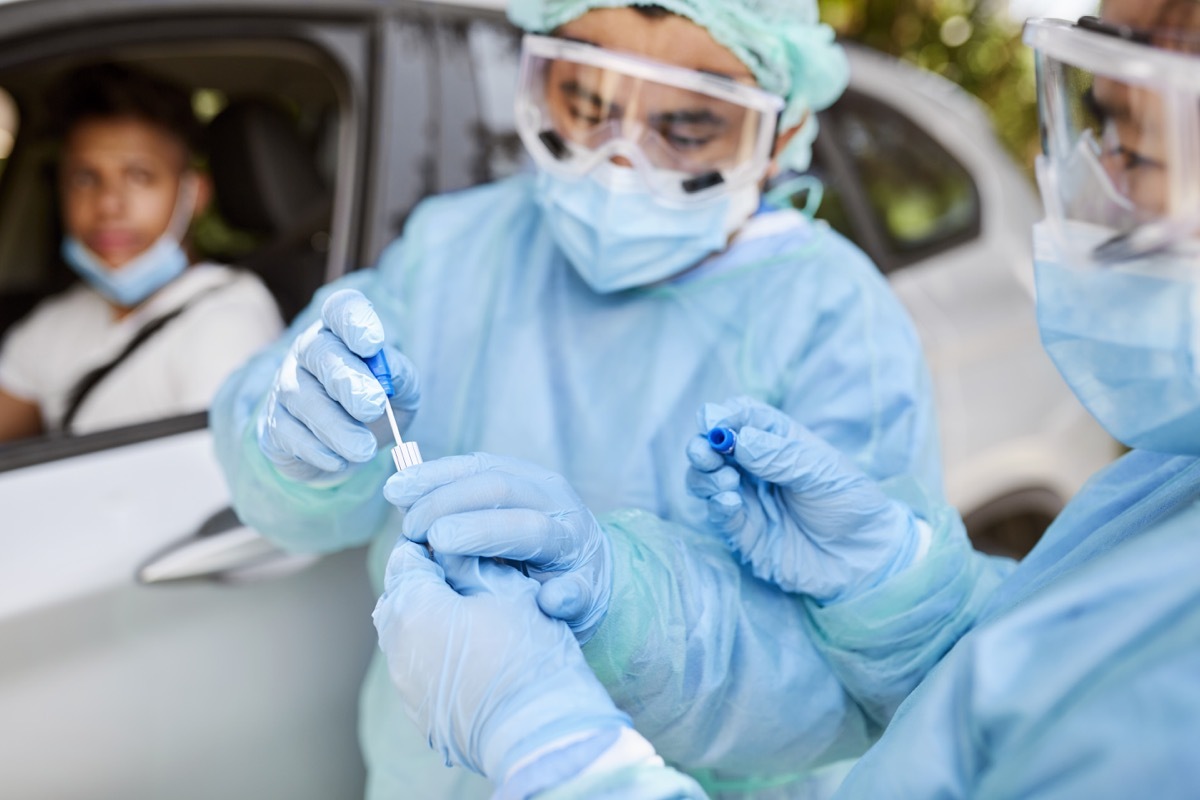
column 271, row 109
column 922, row 199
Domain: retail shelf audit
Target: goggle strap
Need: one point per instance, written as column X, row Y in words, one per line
column 1144, row 240
column 702, row 182
column 1129, row 34
column 554, row 144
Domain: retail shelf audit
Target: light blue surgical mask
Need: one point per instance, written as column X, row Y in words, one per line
column 147, row 272
column 1126, row 338
column 618, row 235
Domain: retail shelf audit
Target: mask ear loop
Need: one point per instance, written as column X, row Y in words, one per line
column 186, row 198
column 783, row 194
column 786, row 193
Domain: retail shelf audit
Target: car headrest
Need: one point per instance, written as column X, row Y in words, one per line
column 265, row 178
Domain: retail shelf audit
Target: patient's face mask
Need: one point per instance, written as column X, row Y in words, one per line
column 131, row 283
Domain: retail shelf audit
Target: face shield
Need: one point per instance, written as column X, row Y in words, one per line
column 1120, row 122
column 693, row 137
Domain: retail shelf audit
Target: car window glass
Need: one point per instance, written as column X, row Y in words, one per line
column 923, row 198
column 212, row 234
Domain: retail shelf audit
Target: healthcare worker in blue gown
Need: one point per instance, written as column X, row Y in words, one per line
column 569, row 322
column 1075, row 673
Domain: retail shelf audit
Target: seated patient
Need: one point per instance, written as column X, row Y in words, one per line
column 149, row 332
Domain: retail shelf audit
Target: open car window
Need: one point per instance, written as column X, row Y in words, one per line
column 890, row 186
column 279, row 117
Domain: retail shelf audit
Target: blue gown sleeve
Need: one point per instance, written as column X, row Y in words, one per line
column 1085, row 688
column 723, row 671
column 882, row 643
column 1089, row 688
column 299, row 517
column 865, row 388
column 1133, row 739
column 713, row 665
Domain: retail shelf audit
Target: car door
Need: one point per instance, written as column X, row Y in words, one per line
column 151, row 646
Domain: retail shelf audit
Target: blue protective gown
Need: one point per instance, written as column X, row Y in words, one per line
column 1081, row 675
column 1075, row 675
column 518, row 357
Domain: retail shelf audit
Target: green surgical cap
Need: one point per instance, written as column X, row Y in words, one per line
column 786, row 47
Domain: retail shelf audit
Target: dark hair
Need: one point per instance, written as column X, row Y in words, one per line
column 110, row 90
column 653, row 11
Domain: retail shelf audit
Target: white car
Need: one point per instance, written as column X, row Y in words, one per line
column 151, row 646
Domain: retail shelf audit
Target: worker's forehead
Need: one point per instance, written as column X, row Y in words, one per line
column 671, row 39
column 122, row 139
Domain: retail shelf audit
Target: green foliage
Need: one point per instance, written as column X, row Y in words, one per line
column 972, row 44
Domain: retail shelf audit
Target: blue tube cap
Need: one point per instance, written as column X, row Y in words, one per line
column 723, row 440
column 379, row 368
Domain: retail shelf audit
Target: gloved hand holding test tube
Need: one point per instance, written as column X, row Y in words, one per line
column 404, row 454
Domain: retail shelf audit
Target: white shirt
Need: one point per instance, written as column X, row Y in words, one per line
column 176, row 371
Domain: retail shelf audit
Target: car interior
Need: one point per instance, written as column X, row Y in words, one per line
column 271, row 114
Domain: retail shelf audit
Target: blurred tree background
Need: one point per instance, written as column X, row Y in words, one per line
column 974, row 43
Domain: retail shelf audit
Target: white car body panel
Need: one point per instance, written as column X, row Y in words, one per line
column 113, row 689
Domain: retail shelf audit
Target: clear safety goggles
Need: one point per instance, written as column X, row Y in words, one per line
column 692, row 136
column 1120, row 122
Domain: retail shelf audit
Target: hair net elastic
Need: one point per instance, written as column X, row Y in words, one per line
column 789, row 51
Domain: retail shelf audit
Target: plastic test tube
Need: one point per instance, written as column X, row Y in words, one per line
column 404, row 454
column 723, row 440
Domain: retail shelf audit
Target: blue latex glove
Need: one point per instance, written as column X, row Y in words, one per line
column 319, row 413
column 485, row 675
column 794, row 508
column 485, row 505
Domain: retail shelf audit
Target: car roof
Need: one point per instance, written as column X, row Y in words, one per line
column 888, row 76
